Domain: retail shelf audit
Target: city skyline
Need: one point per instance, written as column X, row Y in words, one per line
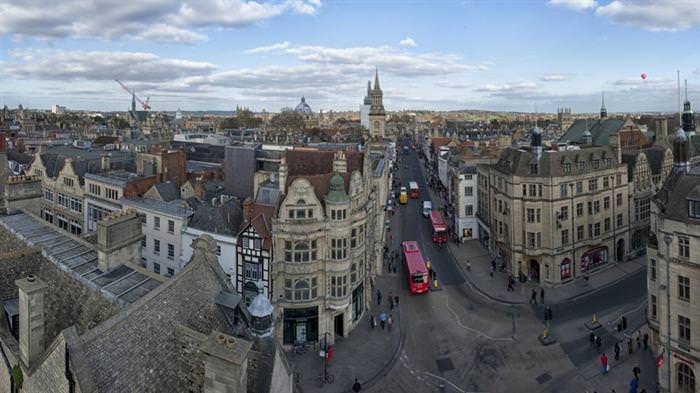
column 215, row 55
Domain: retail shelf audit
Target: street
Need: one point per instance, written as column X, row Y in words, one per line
column 457, row 340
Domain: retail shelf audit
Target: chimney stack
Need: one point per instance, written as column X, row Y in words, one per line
column 118, row 240
column 31, row 318
column 226, row 363
column 247, row 209
column 105, row 162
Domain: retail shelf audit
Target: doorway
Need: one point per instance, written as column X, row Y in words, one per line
column 338, row 325
column 534, row 270
column 620, row 254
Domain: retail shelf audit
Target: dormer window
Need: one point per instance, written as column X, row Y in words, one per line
column 567, row 167
column 581, row 165
column 534, row 168
column 693, row 208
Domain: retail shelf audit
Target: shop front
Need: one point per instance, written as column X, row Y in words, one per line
column 565, row 269
column 300, row 325
column 594, row 258
column 357, row 302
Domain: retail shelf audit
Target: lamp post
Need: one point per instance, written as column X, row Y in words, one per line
column 668, row 239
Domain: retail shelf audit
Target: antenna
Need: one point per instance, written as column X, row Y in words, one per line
column 686, row 89
column 680, row 109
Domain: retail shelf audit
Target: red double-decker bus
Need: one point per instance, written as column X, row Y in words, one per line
column 439, row 227
column 418, row 281
column 413, row 190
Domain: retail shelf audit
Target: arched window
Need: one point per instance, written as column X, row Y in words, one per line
column 301, row 290
column 300, row 251
column 686, row 379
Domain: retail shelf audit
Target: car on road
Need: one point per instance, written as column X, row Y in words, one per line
column 427, row 207
column 403, row 196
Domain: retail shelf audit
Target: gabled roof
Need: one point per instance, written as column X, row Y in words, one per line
column 261, row 220
column 168, row 191
column 224, row 220
column 601, row 129
column 303, row 162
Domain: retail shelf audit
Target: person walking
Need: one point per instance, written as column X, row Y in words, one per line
column 591, row 339
column 542, row 295
column 617, row 350
column 533, row 297
column 390, row 322
column 469, row 266
column 598, row 343
column 639, row 339
column 372, row 321
column 356, row 387
column 645, row 340
column 604, row 363
column 382, row 320
column 379, row 297
column 630, row 346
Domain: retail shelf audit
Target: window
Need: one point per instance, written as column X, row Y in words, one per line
column 75, row 227
column 95, row 189
column 252, row 270
column 539, row 190
column 590, row 230
column 156, row 223
column 606, row 182
column 339, row 287
column 606, row 203
column 68, row 182
column 595, row 164
column 112, row 193
column 76, row 205
column 593, row 185
column 534, row 168
column 563, row 192
column 652, row 269
column 530, row 215
column 48, row 195
column 171, row 226
column 469, row 210
column 694, row 209
column 531, row 240
column 156, row 246
column 596, row 229
column 683, row 247
column 171, row 251
column 567, row 167
column 171, row 272
column 218, row 250
column 579, row 232
column 301, row 289
column 339, row 248
column 63, row 200
column 590, row 207
column 596, row 207
column 353, row 273
column 62, row 222
column 652, row 307
column 524, row 189
column 618, row 199
column 683, row 328
column 686, row 378
column 684, row 288
column 144, row 242
column 618, row 179
column 533, row 190
column 156, row 267
column 619, row 220
column 300, row 251
column 579, row 209
column 579, row 187
column 564, row 213
column 607, row 224
column 338, row 214
column 468, row 191
column 565, row 237
column 581, row 165
column 643, row 210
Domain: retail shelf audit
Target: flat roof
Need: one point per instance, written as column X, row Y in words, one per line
column 123, row 285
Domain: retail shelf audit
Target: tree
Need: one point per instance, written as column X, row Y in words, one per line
column 287, row 120
column 247, row 119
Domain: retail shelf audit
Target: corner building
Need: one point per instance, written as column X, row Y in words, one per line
column 555, row 215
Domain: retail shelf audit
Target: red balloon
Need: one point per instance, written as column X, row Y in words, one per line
column 644, row 76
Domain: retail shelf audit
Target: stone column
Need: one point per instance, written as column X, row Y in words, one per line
column 31, row 318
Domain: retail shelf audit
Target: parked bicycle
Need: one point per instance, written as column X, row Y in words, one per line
column 325, row 378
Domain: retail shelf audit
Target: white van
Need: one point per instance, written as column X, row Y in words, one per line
column 427, row 207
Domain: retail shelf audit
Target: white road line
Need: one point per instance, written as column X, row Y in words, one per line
column 478, row 332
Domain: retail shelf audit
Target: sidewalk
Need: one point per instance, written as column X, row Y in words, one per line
column 495, row 288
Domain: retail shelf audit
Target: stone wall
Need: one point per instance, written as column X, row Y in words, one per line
column 191, row 366
column 23, row 192
column 282, row 377
column 50, row 375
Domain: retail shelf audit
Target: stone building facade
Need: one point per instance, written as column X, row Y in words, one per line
column 555, row 215
column 377, row 115
column 324, row 244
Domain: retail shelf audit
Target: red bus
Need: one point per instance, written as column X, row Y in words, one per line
column 418, row 281
column 413, row 191
column 439, row 227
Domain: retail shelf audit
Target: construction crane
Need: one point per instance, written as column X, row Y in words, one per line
column 144, row 104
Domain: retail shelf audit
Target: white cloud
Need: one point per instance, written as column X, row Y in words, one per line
column 408, row 41
column 269, row 48
column 575, row 4
column 158, row 20
column 654, row 15
column 555, row 77
column 507, row 87
column 62, row 65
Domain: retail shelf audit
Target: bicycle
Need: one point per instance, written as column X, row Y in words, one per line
column 325, row 378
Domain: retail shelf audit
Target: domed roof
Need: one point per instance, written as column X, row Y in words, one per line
column 681, row 135
column 303, row 107
column 260, row 306
column 337, row 192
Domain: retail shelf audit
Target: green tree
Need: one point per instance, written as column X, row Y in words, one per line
column 287, row 120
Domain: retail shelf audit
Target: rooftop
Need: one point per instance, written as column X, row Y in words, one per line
column 176, row 208
column 123, row 285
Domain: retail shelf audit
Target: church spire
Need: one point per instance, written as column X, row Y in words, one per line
column 376, row 78
column 603, row 110
column 687, row 118
column 681, row 158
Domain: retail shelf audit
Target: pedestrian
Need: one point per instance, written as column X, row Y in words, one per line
column 617, row 350
column 396, row 300
column 542, row 295
column 591, row 339
column 382, row 323
column 533, row 297
column 469, row 266
column 598, row 343
column 646, row 341
column 493, row 264
column 390, row 322
column 356, row 387
column 636, row 371
column 491, row 273
column 639, row 339
column 379, row 297
column 604, row 363
column 391, row 302
column 630, row 346
column 372, row 321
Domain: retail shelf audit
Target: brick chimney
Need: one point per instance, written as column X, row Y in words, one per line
column 118, row 240
column 199, row 188
column 31, row 318
column 225, row 363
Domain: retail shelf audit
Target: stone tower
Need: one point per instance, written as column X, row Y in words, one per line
column 603, row 110
column 377, row 115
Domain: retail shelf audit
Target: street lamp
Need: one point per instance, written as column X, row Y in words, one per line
column 668, row 239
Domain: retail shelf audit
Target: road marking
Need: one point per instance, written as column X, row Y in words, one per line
column 478, row 332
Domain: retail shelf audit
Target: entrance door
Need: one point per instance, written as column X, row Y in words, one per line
column 338, row 323
column 620, row 250
column 300, row 332
column 534, row 270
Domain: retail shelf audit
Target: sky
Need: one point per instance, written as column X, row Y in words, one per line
column 504, row 55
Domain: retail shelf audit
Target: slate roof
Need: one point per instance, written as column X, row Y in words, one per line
column 123, row 285
column 175, row 208
column 673, row 196
column 224, row 220
column 302, row 162
column 600, row 128
column 168, row 190
column 517, row 162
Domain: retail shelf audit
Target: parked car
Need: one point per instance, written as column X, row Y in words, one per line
column 427, row 208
